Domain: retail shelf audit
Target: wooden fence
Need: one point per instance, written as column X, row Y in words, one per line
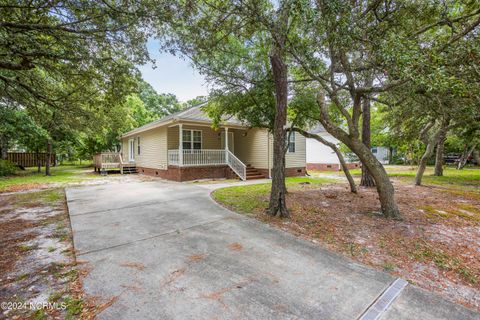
column 29, row 159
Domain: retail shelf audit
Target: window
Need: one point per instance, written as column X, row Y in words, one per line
column 291, row 142
column 374, row 150
column 138, row 145
column 192, row 139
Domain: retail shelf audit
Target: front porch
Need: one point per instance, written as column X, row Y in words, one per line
column 201, row 147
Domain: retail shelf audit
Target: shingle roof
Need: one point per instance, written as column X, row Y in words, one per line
column 194, row 113
column 317, row 129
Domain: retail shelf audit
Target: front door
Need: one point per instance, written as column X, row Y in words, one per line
column 230, row 141
column 131, row 150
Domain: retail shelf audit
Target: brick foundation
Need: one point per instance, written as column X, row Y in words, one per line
column 330, row 166
column 189, row 173
column 289, row 172
column 212, row 172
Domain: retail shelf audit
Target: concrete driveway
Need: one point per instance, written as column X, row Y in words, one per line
column 165, row 250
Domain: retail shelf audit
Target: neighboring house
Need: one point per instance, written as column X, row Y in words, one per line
column 184, row 146
column 321, row 157
column 382, row 154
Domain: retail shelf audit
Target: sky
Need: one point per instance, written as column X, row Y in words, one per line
column 173, row 75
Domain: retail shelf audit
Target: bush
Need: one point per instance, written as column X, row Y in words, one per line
column 7, row 168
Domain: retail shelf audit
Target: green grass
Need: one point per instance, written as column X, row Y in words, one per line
column 468, row 176
column 44, row 197
column 248, row 198
column 59, row 175
column 451, row 176
column 73, row 307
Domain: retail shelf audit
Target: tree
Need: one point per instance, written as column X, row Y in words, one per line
column 347, row 44
column 71, row 60
column 302, row 103
column 18, row 126
column 367, row 179
column 195, row 101
column 339, row 51
column 159, row 105
column 240, row 47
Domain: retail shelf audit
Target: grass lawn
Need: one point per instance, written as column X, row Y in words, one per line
column 468, row 176
column 435, row 245
column 248, row 198
column 60, row 175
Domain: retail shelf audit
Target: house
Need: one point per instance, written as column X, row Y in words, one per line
column 382, row 154
column 184, row 146
column 321, row 157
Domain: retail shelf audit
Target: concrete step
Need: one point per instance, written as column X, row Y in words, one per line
column 255, row 177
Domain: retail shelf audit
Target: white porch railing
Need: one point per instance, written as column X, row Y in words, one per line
column 236, row 165
column 207, row 157
column 173, row 157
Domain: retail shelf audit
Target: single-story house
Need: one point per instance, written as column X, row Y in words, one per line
column 184, row 146
column 321, row 157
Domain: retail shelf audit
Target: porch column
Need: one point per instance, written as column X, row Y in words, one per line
column 180, row 144
column 226, row 144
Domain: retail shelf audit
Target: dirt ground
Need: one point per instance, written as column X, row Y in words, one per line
column 436, row 246
column 39, row 275
column 36, row 257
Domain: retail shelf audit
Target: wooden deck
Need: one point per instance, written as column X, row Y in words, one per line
column 112, row 160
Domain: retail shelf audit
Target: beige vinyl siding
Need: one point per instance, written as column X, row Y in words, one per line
column 299, row 157
column 252, row 148
column 153, row 148
column 292, row 160
column 210, row 137
column 172, row 138
column 125, row 149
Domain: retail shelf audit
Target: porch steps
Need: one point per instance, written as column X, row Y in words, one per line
column 129, row 169
column 253, row 173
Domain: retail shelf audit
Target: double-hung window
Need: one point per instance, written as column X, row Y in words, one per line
column 138, row 145
column 192, row 139
column 291, row 142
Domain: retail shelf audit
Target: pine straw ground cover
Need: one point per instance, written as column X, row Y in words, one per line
column 436, row 246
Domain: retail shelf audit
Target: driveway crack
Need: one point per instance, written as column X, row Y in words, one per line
column 151, row 237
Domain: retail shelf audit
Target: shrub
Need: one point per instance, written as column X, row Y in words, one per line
column 7, row 168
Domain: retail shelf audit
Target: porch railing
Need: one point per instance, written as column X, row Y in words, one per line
column 203, row 157
column 207, row 157
column 107, row 160
column 236, row 165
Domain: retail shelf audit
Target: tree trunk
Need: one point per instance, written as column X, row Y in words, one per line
column 351, row 182
column 463, row 160
column 476, row 157
column 439, row 155
column 422, row 165
column 431, row 141
column 385, row 189
column 390, row 155
column 367, row 179
column 37, row 159
column 48, row 156
column 4, row 147
column 277, row 206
